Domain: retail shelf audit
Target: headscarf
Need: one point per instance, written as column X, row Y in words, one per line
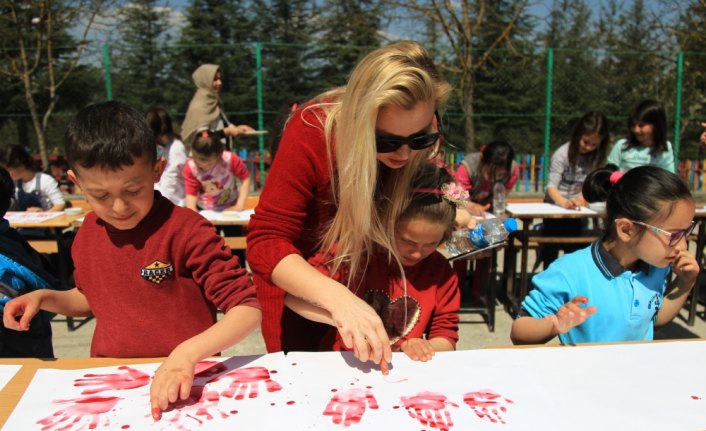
column 204, row 108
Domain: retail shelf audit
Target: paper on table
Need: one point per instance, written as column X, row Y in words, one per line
column 31, row 217
column 543, row 208
column 7, row 372
column 218, row 215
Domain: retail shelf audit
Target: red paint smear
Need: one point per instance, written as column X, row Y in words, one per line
column 125, row 427
column 429, row 408
column 234, row 412
column 348, row 407
column 199, row 404
column 246, row 381
column 289, row 403
column 78, row 409
column 294, row 364
column 209, row 369
column 130, row 378
column 487, row 404
column 695, row 397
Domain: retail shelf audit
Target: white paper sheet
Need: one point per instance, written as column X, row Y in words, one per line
column 653, row 386
column 520, row 209
column 218, row 216
column 7, row 372
column 30, row 217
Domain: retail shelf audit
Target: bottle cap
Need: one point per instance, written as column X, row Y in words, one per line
column 510, row 224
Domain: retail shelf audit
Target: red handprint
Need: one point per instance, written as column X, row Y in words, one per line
column 246, row 381
column 200, row 404
column 487, row 404
column 129, row 379
column 429, row 408
column 349, row 406
column 81, row 411
column 208, row 369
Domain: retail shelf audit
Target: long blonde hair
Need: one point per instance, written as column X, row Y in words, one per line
column 400, row 75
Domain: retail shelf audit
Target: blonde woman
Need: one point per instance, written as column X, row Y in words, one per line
column 341, row 177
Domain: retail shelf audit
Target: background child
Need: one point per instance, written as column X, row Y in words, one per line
column 568, row 168
column 649, row 215
column 169, row 145
column 478, row 172
column 647, row 142
column 35, row 190
column 144, row 267
column 210, row 173
column 418, row 306
column 22, row 270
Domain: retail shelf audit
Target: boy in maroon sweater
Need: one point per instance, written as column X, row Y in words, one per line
column 153, row 274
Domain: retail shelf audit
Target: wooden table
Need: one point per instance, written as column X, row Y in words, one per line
column 526, row 213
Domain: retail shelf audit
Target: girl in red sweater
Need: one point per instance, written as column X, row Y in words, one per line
column 342, row 177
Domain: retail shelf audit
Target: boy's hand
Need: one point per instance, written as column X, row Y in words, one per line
column 172, row 382
column 571, row 314
column 26, row 306
column 686, row 268
column 418, row 349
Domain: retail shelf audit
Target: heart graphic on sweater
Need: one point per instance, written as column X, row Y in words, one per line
column 398, row 316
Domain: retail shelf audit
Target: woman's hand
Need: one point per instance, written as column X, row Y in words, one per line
column 235, row 131
column 362, row 331
column 477, row 210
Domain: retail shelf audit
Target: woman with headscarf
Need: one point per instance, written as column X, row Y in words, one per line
column 205, row 110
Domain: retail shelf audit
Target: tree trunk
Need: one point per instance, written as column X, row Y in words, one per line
column 38, row 129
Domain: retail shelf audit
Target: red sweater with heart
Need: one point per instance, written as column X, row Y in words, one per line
column 432, row 297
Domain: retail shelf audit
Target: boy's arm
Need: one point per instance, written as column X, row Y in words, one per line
column 173, row 379
column 69, row 303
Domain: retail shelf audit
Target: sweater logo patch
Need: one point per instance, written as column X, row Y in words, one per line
column 157, row 271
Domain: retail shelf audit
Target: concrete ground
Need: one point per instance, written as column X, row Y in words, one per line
column 473, row 332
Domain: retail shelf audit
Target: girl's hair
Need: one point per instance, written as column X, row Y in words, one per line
column 498, row 153
column 400, row 75
column 207, row 144
column 161, row 125
column 14, row 156
column 642, row 194
column 427, row 198
column 650, row 112
column 591, row 122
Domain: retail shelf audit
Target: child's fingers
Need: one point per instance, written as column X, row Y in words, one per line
column 579, row 299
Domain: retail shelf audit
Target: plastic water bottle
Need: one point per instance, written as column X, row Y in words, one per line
column 499, row 199
column 484, row 234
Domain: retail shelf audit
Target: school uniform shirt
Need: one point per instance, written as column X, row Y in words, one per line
column 295, row 206
column 47, row 188
column 626, row 159
column 426, row 308
column 627, row 301
column 158, row 284
column 216, row 189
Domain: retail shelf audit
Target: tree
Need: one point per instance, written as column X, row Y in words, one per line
column 461, row 23
column 140, row 63
column 43, row 51
column 346, row 30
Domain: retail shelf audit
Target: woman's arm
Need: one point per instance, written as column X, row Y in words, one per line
column 308, row 310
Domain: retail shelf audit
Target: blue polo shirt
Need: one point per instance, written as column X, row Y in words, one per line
column 627, row 301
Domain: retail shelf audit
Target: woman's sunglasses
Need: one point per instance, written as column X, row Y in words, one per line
column 674, row 237
column 390, row 145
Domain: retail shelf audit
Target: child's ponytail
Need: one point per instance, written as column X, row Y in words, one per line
column 641, row 194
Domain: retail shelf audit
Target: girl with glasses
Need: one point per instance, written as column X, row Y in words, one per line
column 620, row 287
column 342, row 176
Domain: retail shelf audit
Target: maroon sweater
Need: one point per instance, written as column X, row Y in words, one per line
column 432, row 297
column 294, row 207
column 158, row 284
